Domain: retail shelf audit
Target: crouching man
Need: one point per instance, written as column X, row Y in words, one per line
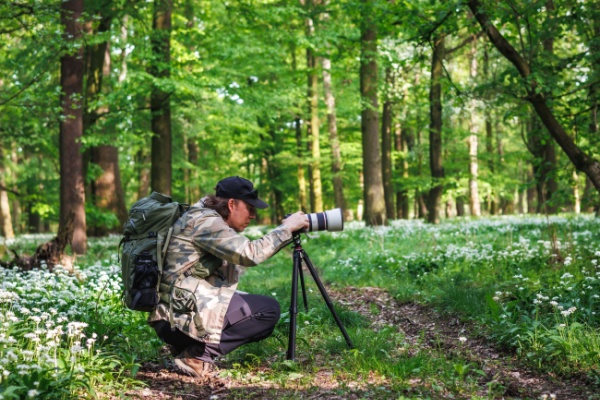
column 200, row 314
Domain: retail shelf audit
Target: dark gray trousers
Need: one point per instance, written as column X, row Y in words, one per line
column 249, row 318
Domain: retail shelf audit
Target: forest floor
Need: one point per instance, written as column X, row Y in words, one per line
column 424, row 330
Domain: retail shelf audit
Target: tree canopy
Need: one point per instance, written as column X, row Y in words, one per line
column 516, row 106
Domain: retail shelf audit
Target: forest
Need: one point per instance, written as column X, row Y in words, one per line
column 387, row 109
column 460, row 139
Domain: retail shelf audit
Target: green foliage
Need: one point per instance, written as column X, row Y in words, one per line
column 238, row 86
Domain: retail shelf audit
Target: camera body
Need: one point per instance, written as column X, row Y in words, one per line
column 330, row 220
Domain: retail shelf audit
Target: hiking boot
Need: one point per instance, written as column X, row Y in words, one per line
column 187, row 363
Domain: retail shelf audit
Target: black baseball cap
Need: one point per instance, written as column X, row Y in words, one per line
column 235, row 187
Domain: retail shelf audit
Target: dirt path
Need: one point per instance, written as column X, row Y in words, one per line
column 424, row 329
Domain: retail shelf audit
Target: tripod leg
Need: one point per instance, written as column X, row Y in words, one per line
column 291, row 352
column 302, row 285
column 313, row 272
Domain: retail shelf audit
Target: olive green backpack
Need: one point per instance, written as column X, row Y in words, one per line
column 146, row 236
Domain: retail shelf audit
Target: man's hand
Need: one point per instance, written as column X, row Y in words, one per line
column 296, row 221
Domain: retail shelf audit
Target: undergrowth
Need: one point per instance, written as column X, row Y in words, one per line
column 531, row 286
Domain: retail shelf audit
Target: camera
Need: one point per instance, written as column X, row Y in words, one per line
column 330, row 220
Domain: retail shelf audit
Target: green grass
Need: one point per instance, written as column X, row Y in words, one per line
column 529, row 285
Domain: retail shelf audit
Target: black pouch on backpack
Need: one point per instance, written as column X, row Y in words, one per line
column 143, row 290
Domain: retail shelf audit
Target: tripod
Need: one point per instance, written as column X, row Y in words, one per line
column 299, row 255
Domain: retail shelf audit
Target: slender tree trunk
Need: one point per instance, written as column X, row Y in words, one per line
column 474, row 204
column 550, row 167
column 193, row 150
column 536, row 148
column 589, row 203
column 334, row 142
column 72, row 183
column 435, row 131
column 581, row 160
column 489, row 147
column 316, row 194
column 489, row 137
column 576, row 197
column 143, row 161
column 474, row 128
column 123, row 55
column 300, row 173
column 160, row 103
column 400, row 145
column 16, row 204
column 386, row 147
column 531, row 209
column 34, row 222
column 6, row 226
column 460, row 206
column 373, row 192
column 273, row 173
column 550, row 184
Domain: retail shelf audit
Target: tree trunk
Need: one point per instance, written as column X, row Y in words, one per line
column 5, row 216
column 72, row 182
column 143, row 161
column 530, row 193
column 549, row 152
column 34, row 221
column 336, row 157
column 334, row 142
column 594, row 95
column 581, row 160
column 460, row 206
column 474, row 204
column 435, row 132
column 400, row 145
column 160, row 103
column 123, row 55
column 489, row 139
column 194, row 192
column 107, row 187
column 107, row 191
column 6, row 226
column 373, row 191
column 588, row 202
column 16, row 204
column 386, row 147
column 474, row 128
column 316, row 193
column 300, row 173
column 576, row 197
column 489, row 147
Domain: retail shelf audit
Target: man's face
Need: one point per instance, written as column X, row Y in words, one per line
column 240, row 214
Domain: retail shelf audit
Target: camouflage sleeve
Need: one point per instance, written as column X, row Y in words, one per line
column 213, row 235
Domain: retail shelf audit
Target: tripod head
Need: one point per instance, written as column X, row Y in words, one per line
column 296, row 239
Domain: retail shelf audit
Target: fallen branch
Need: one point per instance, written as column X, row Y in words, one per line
column 49, row 254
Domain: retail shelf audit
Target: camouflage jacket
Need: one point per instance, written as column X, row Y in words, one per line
column 202, row 269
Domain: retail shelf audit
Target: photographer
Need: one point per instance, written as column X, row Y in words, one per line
column 200, row 315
